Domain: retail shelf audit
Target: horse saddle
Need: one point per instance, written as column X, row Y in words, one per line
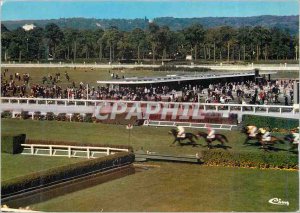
column 181, row 136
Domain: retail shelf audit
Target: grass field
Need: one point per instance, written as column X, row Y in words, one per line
column 166, row 187
column 90, row 76
column 13, row 166
column 149, row 138
column 184, row 187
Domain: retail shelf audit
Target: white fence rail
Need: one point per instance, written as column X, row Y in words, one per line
column 205, row 106
column 189, row 125
column 69, row 151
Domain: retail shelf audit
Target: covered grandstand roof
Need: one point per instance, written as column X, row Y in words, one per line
column 180, row 77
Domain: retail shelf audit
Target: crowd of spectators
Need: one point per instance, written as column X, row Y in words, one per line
column 244, row 92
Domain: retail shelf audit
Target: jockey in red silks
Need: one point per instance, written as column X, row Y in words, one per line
column 211, row 133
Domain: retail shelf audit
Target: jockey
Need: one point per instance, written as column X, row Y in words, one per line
column 295, row 134
column 252, row 130
column 211, row 133
column 266, row 134
column 181, row 132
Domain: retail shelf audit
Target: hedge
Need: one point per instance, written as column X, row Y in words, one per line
column 42, row 178
column 249, row 159
column 272, row 122
column 12, row 143
column 72, row 143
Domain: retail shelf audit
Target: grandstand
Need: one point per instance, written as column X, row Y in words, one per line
column 176, row 81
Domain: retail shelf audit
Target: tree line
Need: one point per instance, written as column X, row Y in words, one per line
column 223, row 43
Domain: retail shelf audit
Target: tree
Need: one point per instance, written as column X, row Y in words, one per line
column 138, row 42
column 244, row 40
column 111, row 37
column 194, row 35
column 153, row 39
column 54, row 36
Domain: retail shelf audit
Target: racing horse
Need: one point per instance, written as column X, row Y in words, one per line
column 218, row 137
column 188, row 135
column 294, row 144
column 259, row 138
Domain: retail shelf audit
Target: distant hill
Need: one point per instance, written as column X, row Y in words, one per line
column 284, row 22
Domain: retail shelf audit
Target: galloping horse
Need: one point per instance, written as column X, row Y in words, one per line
column 188, row 136
column 245, row 130
column 294, row 144
column 218, row 137
column 271, row 142
column 259, row 138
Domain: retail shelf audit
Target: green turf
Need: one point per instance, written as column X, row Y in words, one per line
column 90, row 76
column 183, row 187
column 84, row 75
column 13, row 166
column 172, row 187
column 149, row 138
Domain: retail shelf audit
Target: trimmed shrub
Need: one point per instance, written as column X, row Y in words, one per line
column 61, row 117
column 24, row 115
column 71, row 143
column 272, row 122
column 88, row 118
column 50, row 116
column 12, row 143
column 38, row 116
column 42, row 178
column 76, row 117
column 249, row 159
column 6, row 114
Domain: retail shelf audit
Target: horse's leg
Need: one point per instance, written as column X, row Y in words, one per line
column 192, row 141
column 174, row 141
column 246, row 140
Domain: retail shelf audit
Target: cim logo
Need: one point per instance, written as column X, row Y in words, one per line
column 278, row 201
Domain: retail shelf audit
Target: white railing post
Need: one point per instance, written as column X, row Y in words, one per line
column 32, row 116
column 88, row 153
column 31, row 149
column 228, row 108
column 108, row 151
column 27, row 101
column 69, row 151
column 204, row 108
column 75, row 104
column 267, row 109
column 241, row 108
column 280, row 110
column 50, row 152
column 217, row 108
column 9, row 101
column 18, row 101
column 65, row 103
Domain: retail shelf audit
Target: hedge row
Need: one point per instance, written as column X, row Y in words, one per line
column 71, row 143
column 249, row 159
column 38, row 179
column 272, row 122
column 12, row 143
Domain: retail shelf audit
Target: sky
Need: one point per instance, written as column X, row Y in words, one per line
column 25, row 10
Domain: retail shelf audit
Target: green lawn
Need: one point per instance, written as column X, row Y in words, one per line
column 13, row 166
column 170, row 187
column 149, row 138
column 184, row 187
column 84, row 75
column 90, row 76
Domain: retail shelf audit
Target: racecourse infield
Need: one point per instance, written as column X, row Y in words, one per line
column 165, row 187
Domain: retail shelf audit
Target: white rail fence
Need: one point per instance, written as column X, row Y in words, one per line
column 205, row 106
column 189, row 125
column 69, row 151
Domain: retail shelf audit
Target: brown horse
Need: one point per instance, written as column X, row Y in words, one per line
column 189, row 136
column 218, row 137
column 259, row 137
